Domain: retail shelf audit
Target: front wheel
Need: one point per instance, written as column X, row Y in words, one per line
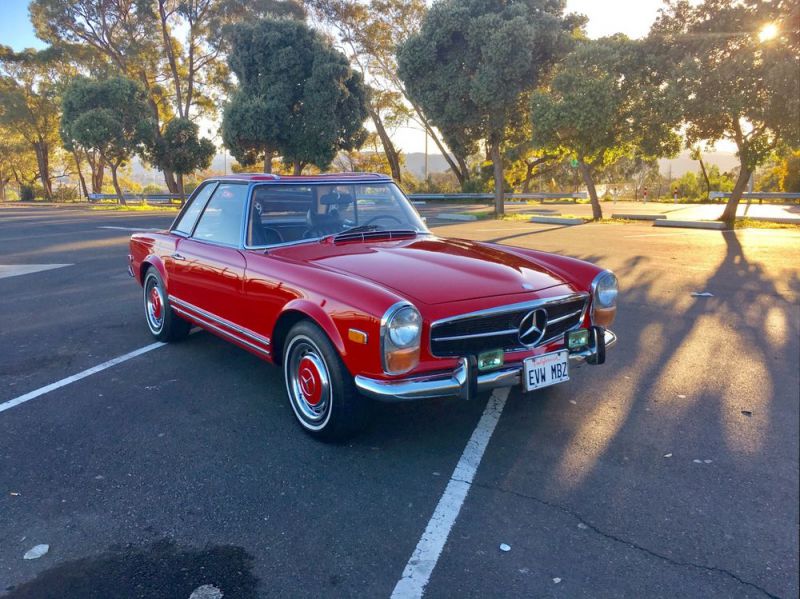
column 321, row 390
column 162, row 321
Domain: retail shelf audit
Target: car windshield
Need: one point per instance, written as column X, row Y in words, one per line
column 290, row 212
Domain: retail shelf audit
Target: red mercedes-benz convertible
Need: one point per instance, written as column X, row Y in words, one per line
column 337, row 279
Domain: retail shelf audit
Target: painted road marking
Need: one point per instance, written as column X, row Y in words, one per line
column 128, row 228
column 76, row 377
column 420, row 566
column 14, row 270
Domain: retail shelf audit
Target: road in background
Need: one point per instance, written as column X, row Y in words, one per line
column 671, row 471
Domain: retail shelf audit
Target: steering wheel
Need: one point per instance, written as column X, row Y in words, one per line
column 380, row 216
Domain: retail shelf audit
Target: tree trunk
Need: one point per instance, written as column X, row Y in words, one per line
column 392, row 155
column 729, row 214
column 98, row 166
column 43, row 162
column 705, row 176
column 80, row 174
column 117, row 188
column 497, row 162
column 181, row 189
column 586, row 173
column 172, row 183
column 267, row 161
column 297, row 168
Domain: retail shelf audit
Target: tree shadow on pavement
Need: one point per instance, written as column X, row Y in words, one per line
column 690, row 429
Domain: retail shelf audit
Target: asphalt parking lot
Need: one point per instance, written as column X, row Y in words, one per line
column 671, row 471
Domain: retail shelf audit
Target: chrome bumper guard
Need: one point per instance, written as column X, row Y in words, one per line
column 459, row 382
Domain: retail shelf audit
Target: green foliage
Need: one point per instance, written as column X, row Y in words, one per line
column 601, row 106
column 181, row 150
column 110, row 116
column 471, row 61
column 732, row 84
column 472, row 64
column 27, row 193
column 30, row 88
column 790, row 180
column 297, row 96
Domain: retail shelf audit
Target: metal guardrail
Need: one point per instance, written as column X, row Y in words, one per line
column 580, row 195
column 758, row 195
column 148, row 198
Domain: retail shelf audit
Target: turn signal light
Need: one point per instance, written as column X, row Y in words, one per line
column 402, row 360
column 604, row 317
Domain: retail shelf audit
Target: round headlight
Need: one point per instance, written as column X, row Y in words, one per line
column 404, row 327
column 605, row 290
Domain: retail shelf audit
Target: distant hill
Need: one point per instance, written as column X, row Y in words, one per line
column 726, row 161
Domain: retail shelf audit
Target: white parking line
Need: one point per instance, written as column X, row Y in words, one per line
column 14, row 270
column 420, row 566
column 11, row 403
column 127, row 228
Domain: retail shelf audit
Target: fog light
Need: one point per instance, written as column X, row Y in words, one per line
column 577, row 339
column 490, row 359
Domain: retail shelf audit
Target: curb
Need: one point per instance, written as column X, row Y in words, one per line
column 639, row 216
column 556, row 220
column 691, row 224
column 459, row 217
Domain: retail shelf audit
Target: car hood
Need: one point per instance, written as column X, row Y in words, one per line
column 429, row 269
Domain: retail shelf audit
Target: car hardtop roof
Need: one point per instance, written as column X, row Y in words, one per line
column 321, row 178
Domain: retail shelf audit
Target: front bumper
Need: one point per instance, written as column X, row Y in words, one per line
column 464, row 382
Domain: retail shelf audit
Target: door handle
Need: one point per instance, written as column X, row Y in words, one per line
column 177, row 256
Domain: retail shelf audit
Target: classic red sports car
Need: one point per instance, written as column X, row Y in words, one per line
column 337, row 278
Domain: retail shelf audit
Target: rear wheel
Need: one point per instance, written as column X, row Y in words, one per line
column 162, row 321
column 321, row 390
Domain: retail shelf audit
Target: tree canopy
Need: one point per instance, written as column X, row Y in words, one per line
column 297, row 96
column 110, row 116
column 181, row 150
column 469, row 77
column 735, row 84
column 604, row 103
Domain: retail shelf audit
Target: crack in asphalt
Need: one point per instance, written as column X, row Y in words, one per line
column 631, row 544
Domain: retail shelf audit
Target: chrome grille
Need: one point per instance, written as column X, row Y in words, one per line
column 498, row 328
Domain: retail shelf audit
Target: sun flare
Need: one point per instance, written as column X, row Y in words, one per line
column 768, row 32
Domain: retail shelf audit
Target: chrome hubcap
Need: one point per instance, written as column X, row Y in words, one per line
column 308, row 381
column 154, row 305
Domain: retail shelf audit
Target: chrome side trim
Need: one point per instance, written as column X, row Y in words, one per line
column 221, row 331
column 216, row 319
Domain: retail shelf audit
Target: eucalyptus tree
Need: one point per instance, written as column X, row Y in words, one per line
column 174, row 48
column 109, row 116
column 605, row 101
column 30, row 103
column 472, row 64
column 736, row 64
column 297, row 96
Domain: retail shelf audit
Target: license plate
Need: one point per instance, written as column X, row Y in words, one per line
column 546, row 370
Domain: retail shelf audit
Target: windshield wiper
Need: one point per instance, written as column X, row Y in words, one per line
column 360, row 229
column 365, row 232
